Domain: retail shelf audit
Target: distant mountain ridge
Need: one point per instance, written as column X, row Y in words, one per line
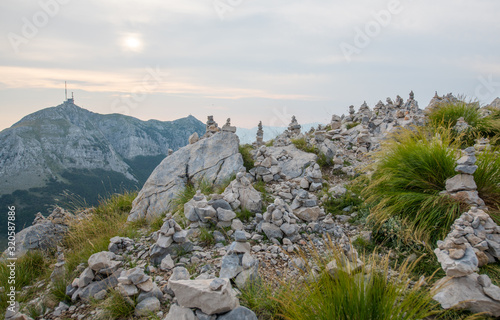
column 44, row 143
column 90, row 155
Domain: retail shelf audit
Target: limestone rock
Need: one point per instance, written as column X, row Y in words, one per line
column 465, row 293
column 458, row 268
column 180, row 313
column 147, row 306
column 213, row 159
column 197, row 294
column 240, row 313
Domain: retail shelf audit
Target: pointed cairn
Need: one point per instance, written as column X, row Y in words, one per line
column 294, row 127
column 260, row 135
column 227, row 127
column 462, row 186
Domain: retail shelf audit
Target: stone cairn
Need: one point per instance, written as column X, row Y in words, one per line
column 238, row 264
column 170, row 239
column 260, row 135
column 227, row 127
column 211, row 128
column 462, row 186
column 294, row 127
column 482, row 144
column 473, row 242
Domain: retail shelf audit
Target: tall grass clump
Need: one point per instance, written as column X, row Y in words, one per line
column 91, row 234
column 487, row 177
column 411, row 170
column 29, row 268
column 348, row 292
column 447, row 114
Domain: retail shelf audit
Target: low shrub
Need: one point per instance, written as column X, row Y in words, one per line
column 116, row 306
column 246, row 153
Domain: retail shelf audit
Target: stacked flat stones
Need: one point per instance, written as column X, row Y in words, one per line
column 135, row 283
column 473, row 242
column 313, row 178
column 260, row 135
column 462, row 186
column 238, row 264
column 170, row 239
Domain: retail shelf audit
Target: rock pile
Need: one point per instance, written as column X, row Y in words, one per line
column 260, row 136
column 212, row 127
column 313, row 178
column 135, row 282
column 462, row 186
column 227, row 127
column 170, row 239
column 238, row 264
column 101, row 275
column 241, row 194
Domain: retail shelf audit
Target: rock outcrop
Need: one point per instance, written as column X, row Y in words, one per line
column 212, row 159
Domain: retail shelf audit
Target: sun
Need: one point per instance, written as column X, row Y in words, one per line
column 132, row 42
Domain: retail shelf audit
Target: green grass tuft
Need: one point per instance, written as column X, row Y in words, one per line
column 246, row 153
column 116, row 306
column 364, row 293
column 411, row 172
column 92, row 234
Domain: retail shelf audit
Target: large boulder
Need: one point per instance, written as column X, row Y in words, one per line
column 212, row 159
column 210, row 296
column 466, row 293
column 291, row 160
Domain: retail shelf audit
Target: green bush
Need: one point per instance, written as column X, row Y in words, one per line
column 246, row 153
column 410, row 172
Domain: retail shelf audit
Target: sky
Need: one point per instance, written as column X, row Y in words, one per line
column 248, row 60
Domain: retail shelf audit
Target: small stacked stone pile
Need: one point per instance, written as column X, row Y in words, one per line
column 211, row 128
column 279, row 221
column 101, row 275
column 473, row 242
column 294, row 127
column 266, row 166
column 135, row 283
column 238, row 264
column 461, row 125
column 313, row 178
column 227, row 127
column 482, row 144
column 260, row 135
column 462, row 186
column 241, row 194
column 120, row 245
column 170, row 239
column 201, row 212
